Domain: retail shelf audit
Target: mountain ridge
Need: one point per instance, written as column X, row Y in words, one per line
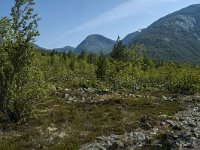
column 174, row 37
column 64, row 49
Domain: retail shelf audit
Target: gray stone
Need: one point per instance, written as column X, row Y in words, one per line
column 191, row 123
column 67, row 90
column 139, row 135
column 171, row 123
column 164, row 98
column 188, row 145
column 53, row 89
column 70, row 98
column 66, row 96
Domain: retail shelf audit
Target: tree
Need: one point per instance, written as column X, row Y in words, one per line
column 92, row 58
column 102, row 66
column 118, row 51
column 64, row 56
column 16, row 50
column 52, row 57
column 135, row 55
column 82, row 55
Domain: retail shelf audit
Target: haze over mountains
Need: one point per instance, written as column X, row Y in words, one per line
column 174, row 37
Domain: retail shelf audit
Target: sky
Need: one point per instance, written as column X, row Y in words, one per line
column 68, row 22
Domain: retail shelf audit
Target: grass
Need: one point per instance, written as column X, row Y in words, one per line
column 59, row 125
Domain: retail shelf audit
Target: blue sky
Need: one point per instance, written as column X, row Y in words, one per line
column 68, row 22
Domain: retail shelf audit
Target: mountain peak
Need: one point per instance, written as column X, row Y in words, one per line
column 95, row 43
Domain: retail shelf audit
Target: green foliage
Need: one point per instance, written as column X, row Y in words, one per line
column 18, row 75
column 102, row 67
column 133, row 72
column 184, row 80
column 118, row 51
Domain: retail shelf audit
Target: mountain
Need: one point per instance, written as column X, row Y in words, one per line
column 64, row 49
column 95, row 43
column 37, row 46
column 128, row 39
column 174, row 37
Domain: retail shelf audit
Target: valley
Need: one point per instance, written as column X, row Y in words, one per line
column 141, row 92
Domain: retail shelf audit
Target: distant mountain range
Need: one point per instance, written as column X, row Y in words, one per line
column 174, row 37
column 97, row 43
column 64, row 49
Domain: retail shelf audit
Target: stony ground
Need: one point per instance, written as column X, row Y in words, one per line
column 92, row 119
column 181, row 133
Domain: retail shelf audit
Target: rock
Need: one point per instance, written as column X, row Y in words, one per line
column 154, row 131
column 102, row 92
column 67, row 90
column 139, row 135
column 186, row 136
column 163, row 118
column 132, row 95
column 162, row 123
column 191, row 123
column 70, row 98
column 187, row 98
column 51, row 129
column 99, row 147
column 92, row 146
column 139, row 96
column 159, row 146
column 116, row 145
column 171, row 123
column 146, row 125
column 50, row 140
column 53, row 89
column 188, row 145
column 66, row 96
column 62, row 134
column 164, row 98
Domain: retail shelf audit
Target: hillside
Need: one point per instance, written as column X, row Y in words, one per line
column 64, row 49
column 128, row 39
column 174, row 37
column 95, row 43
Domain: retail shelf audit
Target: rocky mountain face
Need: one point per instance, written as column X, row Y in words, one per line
column 95, row 43
column 174, row 37
column 128, row 39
